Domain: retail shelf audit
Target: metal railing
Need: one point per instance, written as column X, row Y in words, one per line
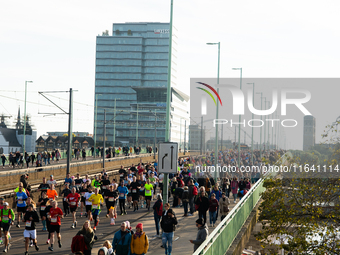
column 220, row 240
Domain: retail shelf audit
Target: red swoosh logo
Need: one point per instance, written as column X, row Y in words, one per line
column 213, row 90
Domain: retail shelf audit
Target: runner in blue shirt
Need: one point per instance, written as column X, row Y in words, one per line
column 21, row 198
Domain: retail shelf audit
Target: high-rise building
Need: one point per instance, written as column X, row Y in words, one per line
column 131, row 84
column 308, row 132
column 196, row 138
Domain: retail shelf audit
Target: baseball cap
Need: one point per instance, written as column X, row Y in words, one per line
column 6, row 203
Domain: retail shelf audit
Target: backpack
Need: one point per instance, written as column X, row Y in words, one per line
column 160, row 210
column 195, row 191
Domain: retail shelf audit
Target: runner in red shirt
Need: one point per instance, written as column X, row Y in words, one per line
column 54, row 216
column 73, row 200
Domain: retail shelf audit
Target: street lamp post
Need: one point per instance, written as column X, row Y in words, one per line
column 239, row 119
column 252, row 128
column 137, row 127
column 216, row 129
column 168, row 104
column 261, row 128
column 95, row 122
column 24, row 141
column 264, row 132
column 268, row 140
column 114, row 125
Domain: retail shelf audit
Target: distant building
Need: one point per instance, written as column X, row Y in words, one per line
column 226, row 144
column 49, row 143
column 131, row 80
column 308, row 132
column 12, row 139
column 196, row 138
column 76, row 133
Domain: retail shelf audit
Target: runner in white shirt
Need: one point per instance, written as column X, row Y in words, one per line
column 88, row 204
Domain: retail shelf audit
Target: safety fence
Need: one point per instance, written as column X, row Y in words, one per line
column 220, row 240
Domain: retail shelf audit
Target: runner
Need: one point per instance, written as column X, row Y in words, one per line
column 43, row 187
column 30, row 218
column 148, row 193
column 123, row 191
column 97, row 200
column 111, row 196
column 78, row 181
column 42, row 203
column 141, row 183
column 73, row 200
column 1, row 207
column 48, row 222
column 52, row 193
column 82, row 191
column 134, row 187
column 66, row 191
column 21, row 198
column 88, row 204
column 7, row 219
column 54, row 215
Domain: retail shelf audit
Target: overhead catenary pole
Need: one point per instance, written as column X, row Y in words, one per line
column 185, row 133
column 216, row 128
column 268, row 140
column 69, row 145
column 154, row 141
column 201, row 135
column 137, row 128
column 252, row 127
column 104, row 138
column 95, row 122
column 265, row 124
column 25, row 117
column 260, row 128
column 168, row 105
column 239, row 120
column 114, row 126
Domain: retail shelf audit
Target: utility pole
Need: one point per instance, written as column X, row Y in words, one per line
column 168, row 105
column 114, row 126
column 265, row 124
column 70, row 118
column 222, row 138
column 185, row 133
column 137, row 128
column 25, row 119
column 201, row 134
column 104, row 138
column 154, row 142
column 260, row 128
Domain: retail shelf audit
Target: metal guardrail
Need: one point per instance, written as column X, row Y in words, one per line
column 220, row 240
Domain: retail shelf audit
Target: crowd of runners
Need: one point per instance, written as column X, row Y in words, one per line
column 138, row 188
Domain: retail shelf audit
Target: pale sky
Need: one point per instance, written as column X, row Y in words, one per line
column 53, row 44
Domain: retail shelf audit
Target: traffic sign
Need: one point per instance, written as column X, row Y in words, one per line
column 167, row 157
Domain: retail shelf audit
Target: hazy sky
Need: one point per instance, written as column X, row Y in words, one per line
column 53, row 44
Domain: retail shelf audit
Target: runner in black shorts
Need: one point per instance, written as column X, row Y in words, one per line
column 42, row 204
column 54, row 215
column 82, row 191
column 88, row 205
column 134, row 188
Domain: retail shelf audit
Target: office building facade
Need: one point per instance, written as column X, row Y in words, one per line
column 308, row 132
column 131, row 84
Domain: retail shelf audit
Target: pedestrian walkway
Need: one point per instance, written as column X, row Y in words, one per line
column 185, row 230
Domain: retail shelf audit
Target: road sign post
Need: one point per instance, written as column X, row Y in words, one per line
column 167, row 163
column 167, row 158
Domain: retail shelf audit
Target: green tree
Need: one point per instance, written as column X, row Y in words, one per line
column 304, row 205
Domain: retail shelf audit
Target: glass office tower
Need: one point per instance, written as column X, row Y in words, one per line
column 131, row 84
